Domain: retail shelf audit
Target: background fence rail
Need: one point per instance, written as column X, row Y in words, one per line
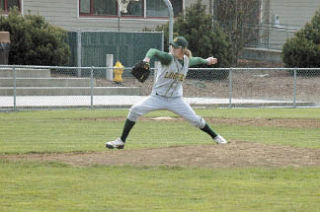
column 37, row 87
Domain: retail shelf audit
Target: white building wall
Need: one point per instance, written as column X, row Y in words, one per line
column 65, row 13
column 287, row 17
column 293, row 12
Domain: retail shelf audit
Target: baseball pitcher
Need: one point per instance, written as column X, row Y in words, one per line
column 167, row 91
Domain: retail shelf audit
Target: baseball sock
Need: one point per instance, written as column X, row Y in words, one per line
column 208, row 130
column 126, row 129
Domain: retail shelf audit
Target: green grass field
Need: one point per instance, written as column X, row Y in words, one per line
column 53, row 186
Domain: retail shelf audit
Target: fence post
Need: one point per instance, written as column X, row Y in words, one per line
column 79, row 48
column 91, row 87
column 14, row 88
column 294, row 88
column 230, row 87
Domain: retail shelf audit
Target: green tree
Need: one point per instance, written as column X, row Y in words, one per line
column 205, row 39
column 303, row 50
column 34, row 41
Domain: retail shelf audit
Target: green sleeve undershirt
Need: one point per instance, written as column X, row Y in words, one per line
column 197, row 61
column 165, row 58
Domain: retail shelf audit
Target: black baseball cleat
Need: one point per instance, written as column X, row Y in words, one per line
column 118, row 144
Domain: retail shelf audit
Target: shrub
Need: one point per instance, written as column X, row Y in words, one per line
column 34, row 41
column 303, row 50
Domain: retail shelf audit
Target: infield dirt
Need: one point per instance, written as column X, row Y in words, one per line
column 236, row 154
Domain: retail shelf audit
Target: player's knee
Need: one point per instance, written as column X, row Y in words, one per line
column 133, row 114
column 199, row 122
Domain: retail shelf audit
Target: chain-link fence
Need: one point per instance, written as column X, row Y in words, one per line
column 39, row 87
column 270, row 36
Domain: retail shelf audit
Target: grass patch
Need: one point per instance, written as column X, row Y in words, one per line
column 52, row 186
column 77, row 130
column 30, row 186
column 269, row 113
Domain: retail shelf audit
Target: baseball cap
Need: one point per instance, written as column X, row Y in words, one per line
column 179, row 42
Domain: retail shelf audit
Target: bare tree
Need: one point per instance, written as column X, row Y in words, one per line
column 240, row 20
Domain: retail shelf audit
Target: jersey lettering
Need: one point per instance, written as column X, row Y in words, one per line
column 175, row 76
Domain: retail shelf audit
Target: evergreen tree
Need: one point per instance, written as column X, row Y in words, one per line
column 34, row 41
column 303, row 50
column 204, row 37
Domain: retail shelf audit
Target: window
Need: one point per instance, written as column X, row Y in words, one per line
column 98, row 7
column 6, row 5
column 177, row 6
column 128, row 8
column 157, row 8
column 131, row 8
column 85, row 6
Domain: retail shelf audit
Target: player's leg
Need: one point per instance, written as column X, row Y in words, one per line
column 128, row 125
column 145, row 106
column 141, row 108
column 180, row 107
column 216, row 137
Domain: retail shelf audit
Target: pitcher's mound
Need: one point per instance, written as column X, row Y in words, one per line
column 234, row 154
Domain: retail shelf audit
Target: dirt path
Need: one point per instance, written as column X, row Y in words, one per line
column 262, row 122
column 234, row 154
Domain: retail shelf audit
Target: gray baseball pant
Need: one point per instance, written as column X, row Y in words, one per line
column 174, row 104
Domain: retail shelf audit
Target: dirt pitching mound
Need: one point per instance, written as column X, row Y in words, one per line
column 233, row 155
